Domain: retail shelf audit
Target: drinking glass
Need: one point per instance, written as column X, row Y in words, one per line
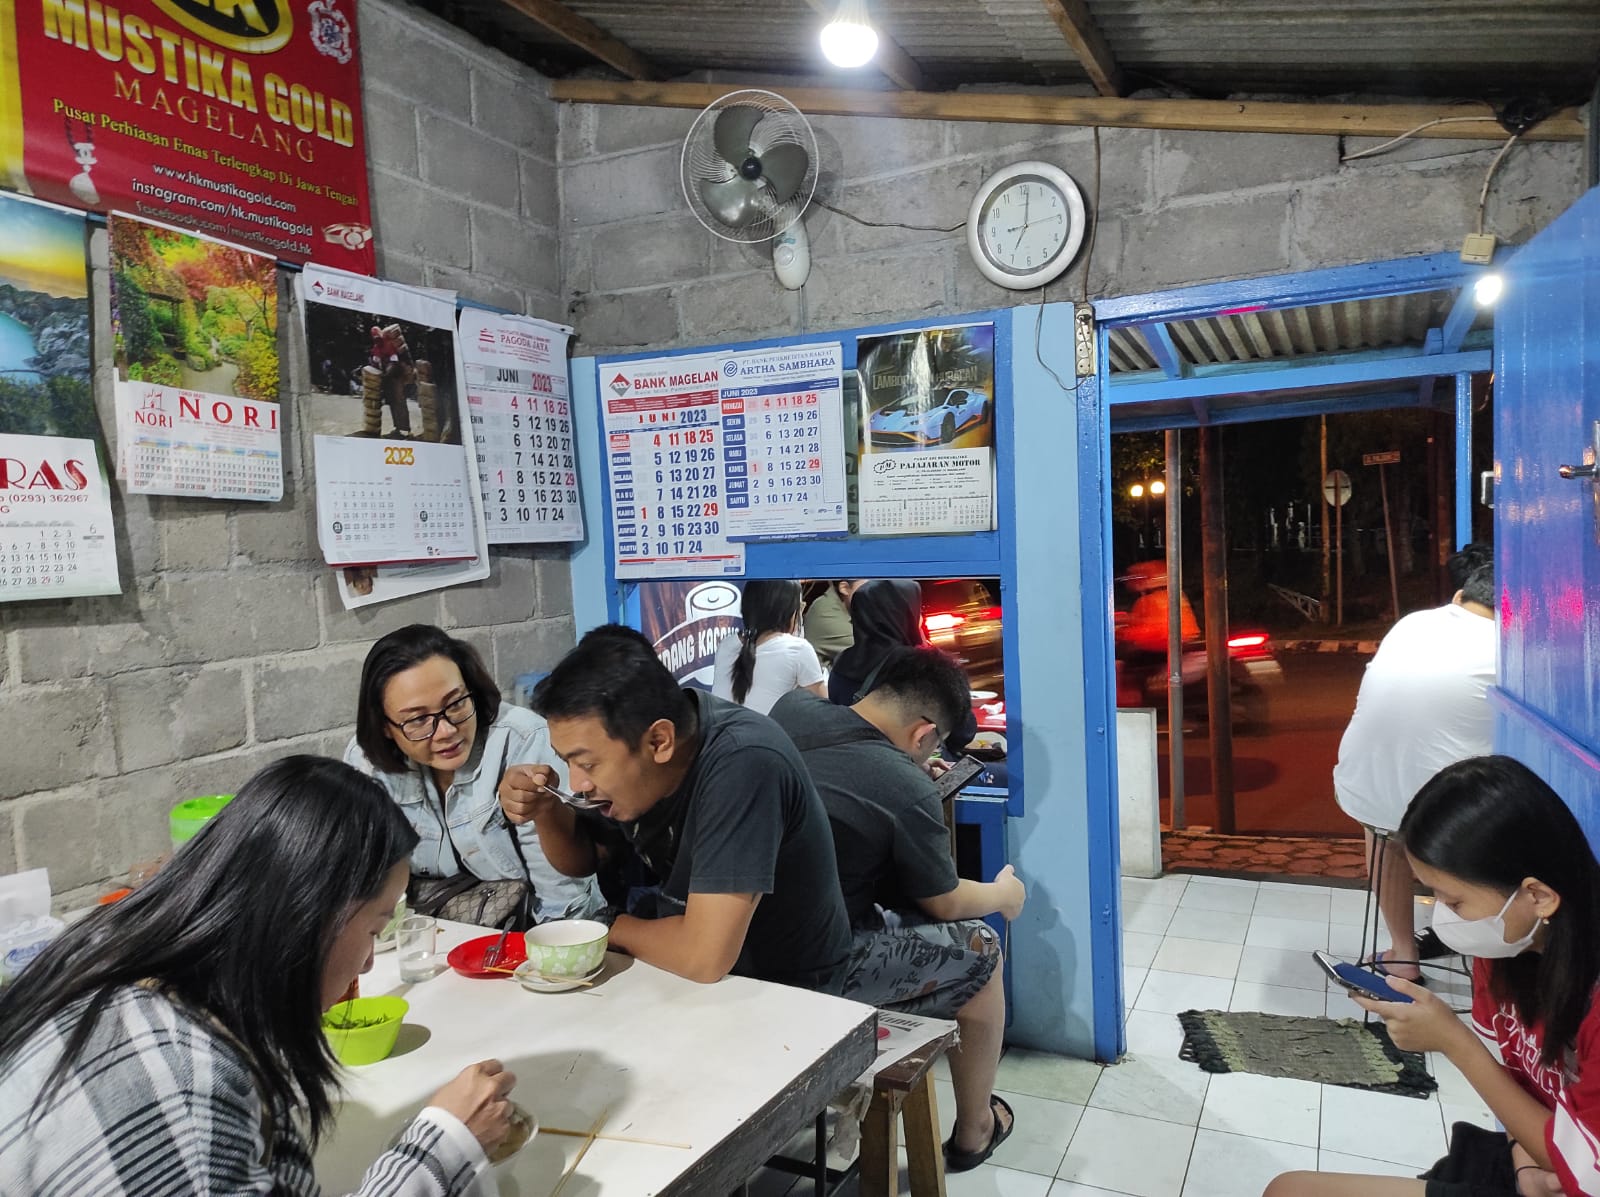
column 415, row 943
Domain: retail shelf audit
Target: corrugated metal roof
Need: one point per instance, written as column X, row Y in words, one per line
column 1442, row 48
column 1381, row 323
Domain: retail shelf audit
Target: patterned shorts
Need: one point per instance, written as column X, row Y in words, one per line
column 925, row 968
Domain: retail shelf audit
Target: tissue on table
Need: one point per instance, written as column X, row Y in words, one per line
column 26, row 925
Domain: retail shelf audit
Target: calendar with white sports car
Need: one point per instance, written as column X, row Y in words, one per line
column 516, row 369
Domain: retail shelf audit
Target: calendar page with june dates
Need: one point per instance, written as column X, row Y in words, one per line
column 517, row 392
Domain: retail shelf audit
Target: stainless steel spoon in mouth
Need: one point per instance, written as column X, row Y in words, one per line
column 575, row 801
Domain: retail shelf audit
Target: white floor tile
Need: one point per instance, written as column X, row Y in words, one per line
column 1197, row 956
column 1173, row 993
column 1345, row 941
column 1139, row 948
column 1264, row 1107
column 1161, row 1087
column 1340, row 1005
column 1334, row 1161
column 1212, row 879
column 1043, row 1130
column 1292, row 967
column 1126, row 1154
column 1132, row 982
column 1146, row 916
column 1040, row 1074
column 1067, row 1188
column 1214, row 925
column 1474, row 1112
column 1290, row 887
column 1382, row 1126
column 1453, row 1087
column 1153, row 1035
column 1208, row 895
column 989, row 1181
column 1310, row 904
column 1162, row 890
column 1348, row 907
column 1268, row 932
column 1278, row 999
column 1225, row 1165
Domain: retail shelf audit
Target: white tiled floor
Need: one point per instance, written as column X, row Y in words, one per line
column 1154, row 1126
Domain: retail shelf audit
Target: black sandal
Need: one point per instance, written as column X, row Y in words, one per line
column 956, row 1160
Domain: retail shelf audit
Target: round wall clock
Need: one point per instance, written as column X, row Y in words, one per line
column 1025, row 225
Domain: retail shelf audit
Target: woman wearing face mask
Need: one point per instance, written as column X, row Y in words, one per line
column 1518, row 888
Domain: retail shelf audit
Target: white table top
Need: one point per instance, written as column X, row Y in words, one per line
column 664, row 1058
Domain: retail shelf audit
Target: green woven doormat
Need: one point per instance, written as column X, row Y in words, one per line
column 1342, row 1052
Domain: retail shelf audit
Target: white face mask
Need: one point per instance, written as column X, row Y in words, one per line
column 1483, row 938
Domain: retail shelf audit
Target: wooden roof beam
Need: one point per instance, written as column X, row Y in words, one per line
column 1468, row 121
column 891, row 58
column 1083, row 35
column 587, row 36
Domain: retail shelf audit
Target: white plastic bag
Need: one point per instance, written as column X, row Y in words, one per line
column 26, row 924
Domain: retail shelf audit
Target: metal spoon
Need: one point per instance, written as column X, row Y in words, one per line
column 576, row 801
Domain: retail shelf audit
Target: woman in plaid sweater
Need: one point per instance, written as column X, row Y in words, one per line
column 171, row 1043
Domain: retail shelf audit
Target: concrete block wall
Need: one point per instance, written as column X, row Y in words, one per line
column 1175, row 208
column 228, row 646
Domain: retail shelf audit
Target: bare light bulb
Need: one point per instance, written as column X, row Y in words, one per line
column 1158, row 487
column 849, row 40
column 1136, row 491
column 1488, row 288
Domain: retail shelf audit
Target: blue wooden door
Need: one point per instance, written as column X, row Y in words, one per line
column 1547, row 528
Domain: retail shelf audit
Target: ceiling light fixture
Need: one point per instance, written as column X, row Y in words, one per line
column 1488, row 288
column 849, row 40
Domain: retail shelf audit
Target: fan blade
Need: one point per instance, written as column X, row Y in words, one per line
column 737, row 203
column 731, row 133
column 784, row 167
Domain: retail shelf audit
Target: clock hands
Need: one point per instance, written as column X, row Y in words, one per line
column 1027, row 198
column 1044, row 220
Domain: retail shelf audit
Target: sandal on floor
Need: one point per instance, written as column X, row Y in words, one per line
column 1375, row 963
column 956, row 1160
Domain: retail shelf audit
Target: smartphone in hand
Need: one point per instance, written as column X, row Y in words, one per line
column 1357, row 979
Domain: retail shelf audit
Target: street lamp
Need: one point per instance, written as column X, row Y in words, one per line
column 1142, row 491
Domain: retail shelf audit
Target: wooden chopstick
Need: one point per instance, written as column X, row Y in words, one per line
column 575, row 1134
column 588, row 1142
column 541, row 976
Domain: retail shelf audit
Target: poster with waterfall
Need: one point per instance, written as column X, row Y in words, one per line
column 195, row 325
column 56, row 537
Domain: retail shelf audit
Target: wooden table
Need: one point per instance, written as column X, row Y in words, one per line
column 734, row 1069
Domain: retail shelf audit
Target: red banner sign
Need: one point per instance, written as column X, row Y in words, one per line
column 238, row 118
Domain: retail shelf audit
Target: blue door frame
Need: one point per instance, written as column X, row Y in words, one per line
column 1062, row 802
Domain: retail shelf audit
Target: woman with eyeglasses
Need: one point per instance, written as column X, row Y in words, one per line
column 431, row 729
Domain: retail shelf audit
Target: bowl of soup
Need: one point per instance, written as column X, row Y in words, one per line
column 566, row 948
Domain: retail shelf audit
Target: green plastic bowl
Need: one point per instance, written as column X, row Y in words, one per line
column 189, row 817
column 566, row 947
column 364, row 1044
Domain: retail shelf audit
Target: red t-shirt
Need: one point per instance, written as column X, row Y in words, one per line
column 1570, row 1090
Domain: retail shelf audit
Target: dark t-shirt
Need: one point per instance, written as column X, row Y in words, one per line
column 888, row 825
column 747, row 820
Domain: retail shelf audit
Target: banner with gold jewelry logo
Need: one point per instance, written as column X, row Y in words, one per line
column 240, row 119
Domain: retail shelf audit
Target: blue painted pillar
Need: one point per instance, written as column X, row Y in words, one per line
column 1463, row 460
column 590, row 558
column 1060, row 702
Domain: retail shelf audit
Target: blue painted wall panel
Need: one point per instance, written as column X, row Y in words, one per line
column 1547, row 396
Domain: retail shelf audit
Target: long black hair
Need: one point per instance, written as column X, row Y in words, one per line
column 768, row 605
column 237, row 926
column 397, row 652
column 1491, row 821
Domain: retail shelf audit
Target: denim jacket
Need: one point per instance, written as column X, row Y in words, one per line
column 477, row 825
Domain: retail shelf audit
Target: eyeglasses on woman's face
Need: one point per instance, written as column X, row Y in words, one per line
column 423, row 727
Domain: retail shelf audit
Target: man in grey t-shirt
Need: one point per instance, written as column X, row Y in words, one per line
column 920, row 944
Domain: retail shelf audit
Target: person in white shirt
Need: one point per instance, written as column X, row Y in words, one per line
column 1422, row 705
column 766, row 660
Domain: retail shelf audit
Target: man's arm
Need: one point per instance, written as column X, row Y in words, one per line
column 702, row 944
column 978, row 899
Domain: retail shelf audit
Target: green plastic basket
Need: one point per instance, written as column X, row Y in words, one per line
column 190, row 816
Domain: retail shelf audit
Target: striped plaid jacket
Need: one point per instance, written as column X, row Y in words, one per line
column 161, row 1102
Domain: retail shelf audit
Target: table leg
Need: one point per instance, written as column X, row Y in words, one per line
column 880, row 1146
column 923, row 1149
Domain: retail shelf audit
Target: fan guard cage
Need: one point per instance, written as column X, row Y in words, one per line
column 781, row 124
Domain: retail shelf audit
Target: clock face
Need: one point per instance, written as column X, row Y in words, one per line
column 1025, row 226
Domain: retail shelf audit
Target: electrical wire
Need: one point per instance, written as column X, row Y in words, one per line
column 1038, row 326
column 1410, row 133
column 1483, row 196
column 889, row 224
